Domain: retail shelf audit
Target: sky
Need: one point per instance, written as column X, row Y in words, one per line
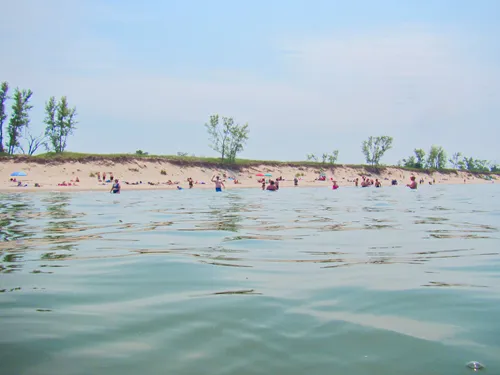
column 307, row 76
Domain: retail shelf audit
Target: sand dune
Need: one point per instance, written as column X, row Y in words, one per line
column 49, row 175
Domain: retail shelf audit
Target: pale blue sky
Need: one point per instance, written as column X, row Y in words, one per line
column 308, row 76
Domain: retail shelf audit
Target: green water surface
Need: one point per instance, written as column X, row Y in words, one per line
column 301, row 281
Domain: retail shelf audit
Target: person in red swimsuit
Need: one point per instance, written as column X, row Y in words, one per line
column 271, row 186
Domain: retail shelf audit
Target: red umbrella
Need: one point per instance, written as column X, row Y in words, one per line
column 260, row 174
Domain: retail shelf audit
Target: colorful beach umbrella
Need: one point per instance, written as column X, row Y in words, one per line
column 18, row 174
column 259, row 174
column 268, row 175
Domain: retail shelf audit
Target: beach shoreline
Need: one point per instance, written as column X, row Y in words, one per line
column 155, row 174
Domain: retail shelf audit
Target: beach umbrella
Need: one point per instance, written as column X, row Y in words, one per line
column 259, row 174
column 18, row 174
column 268, row 175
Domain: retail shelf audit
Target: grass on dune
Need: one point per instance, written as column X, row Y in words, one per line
column 211, row 161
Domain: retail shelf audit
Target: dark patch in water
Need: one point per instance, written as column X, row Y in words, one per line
column 443, row 284
column 232, row 292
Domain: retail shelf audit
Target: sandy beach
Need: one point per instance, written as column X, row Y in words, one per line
column 157, row 174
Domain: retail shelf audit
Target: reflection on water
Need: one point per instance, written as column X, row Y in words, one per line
column 362, row 281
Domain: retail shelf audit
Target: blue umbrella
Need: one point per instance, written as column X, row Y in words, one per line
column 268, row 175
column 18, row 174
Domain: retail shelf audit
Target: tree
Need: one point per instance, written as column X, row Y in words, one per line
column 228, row 138
column 411, row 162
column 19, row 120
column 420, row 158
column 4, row 89
column 475, row 165
column 436, row 158
column 34, row 143
column 481, row 165
column 375, row 147
column 455, row 160
column 333, row 157
column 416, row 161
column 468, row 163
column 494, row 167
column 239, row 136
column 312, row 157
column 60, row 120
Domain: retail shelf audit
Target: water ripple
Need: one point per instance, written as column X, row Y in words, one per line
column 305, row 280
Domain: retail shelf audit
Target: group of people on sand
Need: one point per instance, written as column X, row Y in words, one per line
column 70, row 183
column 19, row 183
column 103, row 179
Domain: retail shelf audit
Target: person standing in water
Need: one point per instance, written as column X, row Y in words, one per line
column 218, row 184
column 413, row 184
column 271, row 186
column 295, row 181
column 335, row 186
column 115, row 189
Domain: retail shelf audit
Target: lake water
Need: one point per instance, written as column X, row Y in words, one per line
column 301, row 281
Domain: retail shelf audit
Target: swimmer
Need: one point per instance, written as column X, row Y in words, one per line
column 413, row 184
column 271, row 186
column 218, row 184
column 335, row 185
column 377, row 183
column 115, row 189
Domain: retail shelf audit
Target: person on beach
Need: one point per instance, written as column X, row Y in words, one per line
column 295, row 181
column 263, row 184
column 271, row 186
column 115, row 189
column 413, row 184
column 277, row 184
column 377, row 183
column 335, row 186
column 190, row 181
column 218, row 184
